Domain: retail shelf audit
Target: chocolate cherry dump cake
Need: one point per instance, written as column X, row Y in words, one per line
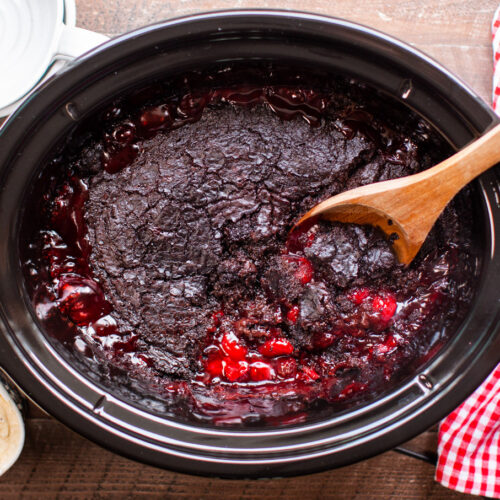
column 161, row 254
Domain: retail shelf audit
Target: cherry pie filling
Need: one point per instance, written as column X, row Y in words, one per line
column 261, row 325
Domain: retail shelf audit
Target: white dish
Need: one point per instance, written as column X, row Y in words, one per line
column 11, row 430
column 37, row 37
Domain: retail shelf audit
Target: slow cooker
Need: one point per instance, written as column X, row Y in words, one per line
column 173, row 47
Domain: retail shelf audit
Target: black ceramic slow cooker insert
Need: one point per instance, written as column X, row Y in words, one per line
column 197, row 42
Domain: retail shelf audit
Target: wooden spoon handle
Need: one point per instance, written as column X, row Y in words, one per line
column 422, row 197
column 461, row 168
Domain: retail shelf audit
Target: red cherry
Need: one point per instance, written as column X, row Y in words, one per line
column 156, row 118
column 122, row 134
column 298, row 238
column 114, row 161
column 325, row 339
column 234, row 370
column 60, row 257
column 191, row 106
column 216, row 321
column 105, row 326
column 126, row 345
column 310, row 373
column 261, row 371
column 81, row 299
column 305, row 271
column 214, row 367
column 387, row 346
column 359, row 295
column 231, row 346
column 385, row 305
column 67, row 215
column 436, row 298
column 293, row 314
column 217, row 316
column 286, row 367
column 276, row 347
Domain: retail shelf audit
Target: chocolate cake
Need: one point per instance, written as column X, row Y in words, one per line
column 163, row 254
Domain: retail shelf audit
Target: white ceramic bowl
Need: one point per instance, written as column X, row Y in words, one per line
column 37, row 37
column 11, row 428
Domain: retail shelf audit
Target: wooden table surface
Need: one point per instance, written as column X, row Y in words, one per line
column 57, row 463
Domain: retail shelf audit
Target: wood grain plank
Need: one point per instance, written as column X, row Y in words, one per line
column 57, row 463
column 456, row 33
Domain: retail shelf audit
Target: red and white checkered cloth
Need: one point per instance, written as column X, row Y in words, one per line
column 469, row 438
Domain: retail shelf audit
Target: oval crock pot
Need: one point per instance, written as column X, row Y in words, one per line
column 130, row 61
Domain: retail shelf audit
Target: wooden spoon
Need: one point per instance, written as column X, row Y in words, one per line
column 405, row 209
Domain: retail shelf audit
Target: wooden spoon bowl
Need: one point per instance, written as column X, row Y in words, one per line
column 406, row 209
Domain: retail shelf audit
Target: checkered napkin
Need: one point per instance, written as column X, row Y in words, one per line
column 469, row 438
